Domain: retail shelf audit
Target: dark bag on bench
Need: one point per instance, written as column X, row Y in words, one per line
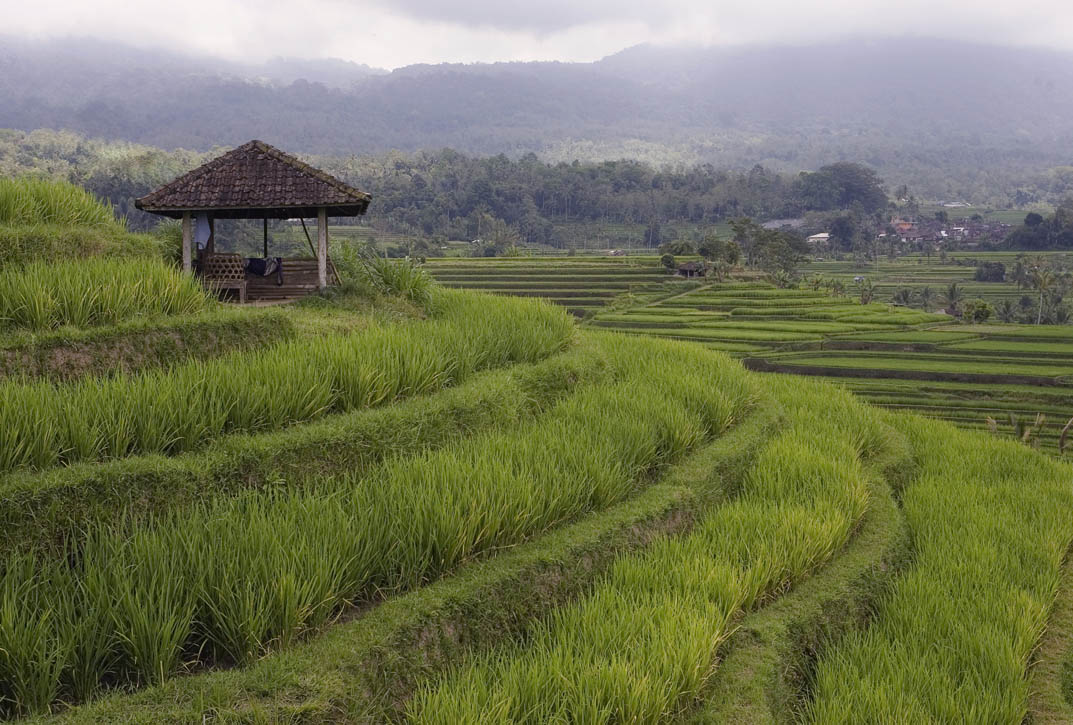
column 263, row 267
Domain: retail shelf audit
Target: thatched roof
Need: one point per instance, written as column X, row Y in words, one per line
column 255, row 181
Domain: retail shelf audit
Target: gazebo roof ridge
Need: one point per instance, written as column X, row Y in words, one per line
column 255, row 180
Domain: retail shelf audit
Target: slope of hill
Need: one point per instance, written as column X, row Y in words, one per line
column 473, row 511
column 928, row 111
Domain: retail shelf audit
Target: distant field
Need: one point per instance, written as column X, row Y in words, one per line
column 960, row 373
column 916, row 271
column 582, row 284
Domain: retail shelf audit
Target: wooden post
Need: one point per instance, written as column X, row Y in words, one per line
column 266, row 238
column 322, row 247
column 188, row 238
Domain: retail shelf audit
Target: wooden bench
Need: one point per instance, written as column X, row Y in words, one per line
column 224, row 271
column 299, row 279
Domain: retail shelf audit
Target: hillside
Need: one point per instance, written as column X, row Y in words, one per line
column 950, row 118
column 428, row 505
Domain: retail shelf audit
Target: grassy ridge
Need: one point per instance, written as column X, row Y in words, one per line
column 365, row 670
column 990, row 522
column 90, row 292
column 42, row 424
column 645, row 642
column 51, row 220
column 52, row 509
column 43, row 201
column 68, row 354
column 230, row 579
column 766, row 672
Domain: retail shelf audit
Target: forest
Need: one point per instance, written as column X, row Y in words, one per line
column 449, row 195
column 953, row 120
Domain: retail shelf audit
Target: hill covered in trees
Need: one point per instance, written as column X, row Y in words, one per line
column 451, row 195
column 953, row 120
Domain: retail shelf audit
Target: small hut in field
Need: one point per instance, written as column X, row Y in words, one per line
column 692, row 269
column 255, row 181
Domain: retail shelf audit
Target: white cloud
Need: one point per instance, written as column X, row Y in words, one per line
column 392, row 33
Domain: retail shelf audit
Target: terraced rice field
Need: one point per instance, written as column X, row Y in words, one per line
column 916, row 271
column 892, row 356
column 478, row 512
column 364, row 511
column 581, row 284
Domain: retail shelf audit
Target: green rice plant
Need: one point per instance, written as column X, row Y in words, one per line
column 229, row 580
column 880, row 361
column 178, row 409
column 42, row 296
column 953, row 640
column 644, row 644
column 29, row 200
column 151, row 597
column 404, row 277
column 34, row 622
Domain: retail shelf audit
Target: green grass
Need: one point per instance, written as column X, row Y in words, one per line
column 937, row 364
column 234, row 578
column 29, row 200
column 47, row 220
column 990, row 522
column 67, row 354
column 644, row 644
column 92, row 292
column 182, row 408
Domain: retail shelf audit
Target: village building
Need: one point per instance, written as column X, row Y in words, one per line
column 255, row 181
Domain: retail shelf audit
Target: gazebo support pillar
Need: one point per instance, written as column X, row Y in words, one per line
column 322, row 247
column 188, row 238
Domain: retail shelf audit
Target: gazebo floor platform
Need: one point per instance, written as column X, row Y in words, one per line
column 299, row 280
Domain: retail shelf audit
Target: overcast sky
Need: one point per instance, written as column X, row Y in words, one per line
column 393, row 33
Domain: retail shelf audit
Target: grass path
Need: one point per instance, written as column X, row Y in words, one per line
column 1050, row 675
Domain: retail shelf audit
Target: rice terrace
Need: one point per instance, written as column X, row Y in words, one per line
column 504, row 392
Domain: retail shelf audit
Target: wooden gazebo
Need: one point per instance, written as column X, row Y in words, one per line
column 258, row 181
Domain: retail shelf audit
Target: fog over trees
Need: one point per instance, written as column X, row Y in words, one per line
column 951, row 119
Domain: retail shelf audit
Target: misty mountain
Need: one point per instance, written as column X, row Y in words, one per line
column 933, row 111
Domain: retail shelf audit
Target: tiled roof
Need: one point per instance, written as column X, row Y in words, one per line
column 251, row 177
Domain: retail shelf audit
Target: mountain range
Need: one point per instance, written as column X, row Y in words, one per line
column 934, row 111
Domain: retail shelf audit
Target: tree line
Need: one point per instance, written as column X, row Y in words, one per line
column 445, row 194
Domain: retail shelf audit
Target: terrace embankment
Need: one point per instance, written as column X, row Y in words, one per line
column 988, row 376
column 582, row 284
column 594, row 443
column 509, row 519
column 643, row 645
column 66, row 355
column 1051, row 675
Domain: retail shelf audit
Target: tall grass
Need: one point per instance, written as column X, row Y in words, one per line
column 952, row 643
column 645, row 643
column 230, row 580
column 173, row 410
column 42, row 296
column 29, row 200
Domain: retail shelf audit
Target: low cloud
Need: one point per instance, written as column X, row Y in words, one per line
column 392, row 33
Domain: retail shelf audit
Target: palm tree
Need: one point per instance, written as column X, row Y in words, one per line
column 903, row 296
column 1041, row 277
column 954, row 297
column 1020, row 272
column 1006, row 311
column 927, row 298
column 867, row 290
